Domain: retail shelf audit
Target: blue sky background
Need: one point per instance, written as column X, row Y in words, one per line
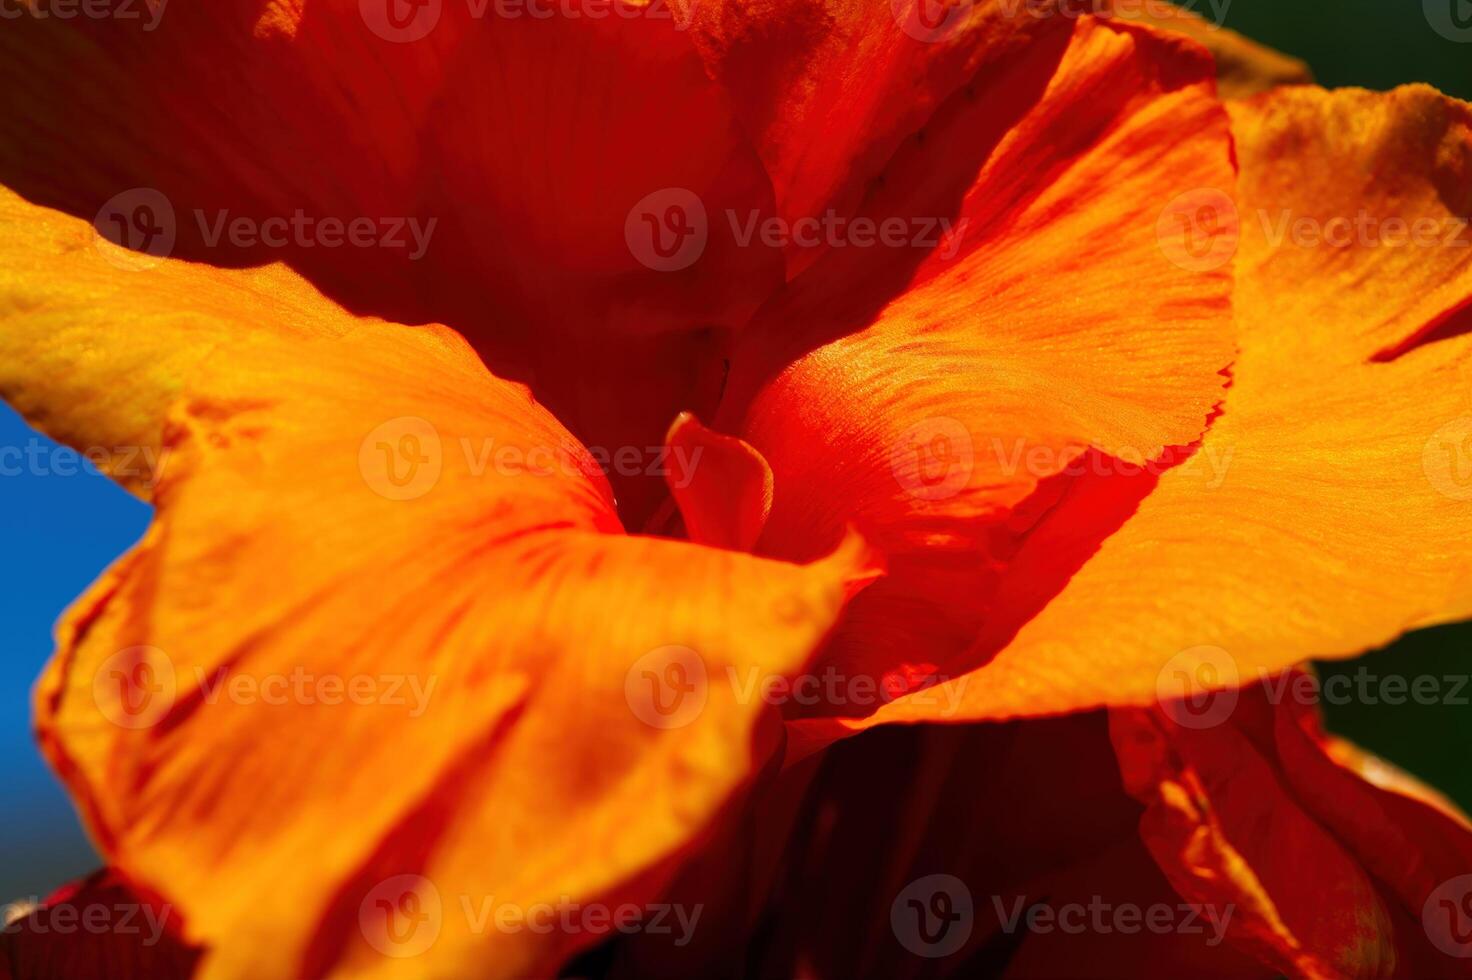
column 58, row 533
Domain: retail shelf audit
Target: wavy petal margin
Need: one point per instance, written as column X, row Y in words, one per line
column 1329, row 509
column 380, row 582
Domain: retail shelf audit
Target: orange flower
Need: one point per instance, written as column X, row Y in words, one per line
column 459, row 646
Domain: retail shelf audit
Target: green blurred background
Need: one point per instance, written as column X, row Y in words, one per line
column 1379, row 44
column 1376, row 44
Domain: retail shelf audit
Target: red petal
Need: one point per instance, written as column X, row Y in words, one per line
column 723, row 486
column 98, row 926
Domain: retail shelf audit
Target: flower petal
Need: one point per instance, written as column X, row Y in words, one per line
column 96, row 342
column 1243, row 67
column 722, row 486
column 384, row 583
column 1330, row 874
column 1228, row 833
column 953, row 811
column 1418, row 847
column 1051, row 330
column 235, row 109
column 828, row 89
column 588, row 259
column 232, row 107
column 1326, row 511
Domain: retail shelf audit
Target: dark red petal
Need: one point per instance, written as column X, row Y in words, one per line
column 96, row 927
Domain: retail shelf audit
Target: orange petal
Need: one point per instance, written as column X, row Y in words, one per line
column 722, row 486
column 97, row 927
column 97, row 341
column 384, row 583
column 829, row 90
column 1052, row 334
column 1331, row 875
column 1243, row 67
column 1326, row 511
